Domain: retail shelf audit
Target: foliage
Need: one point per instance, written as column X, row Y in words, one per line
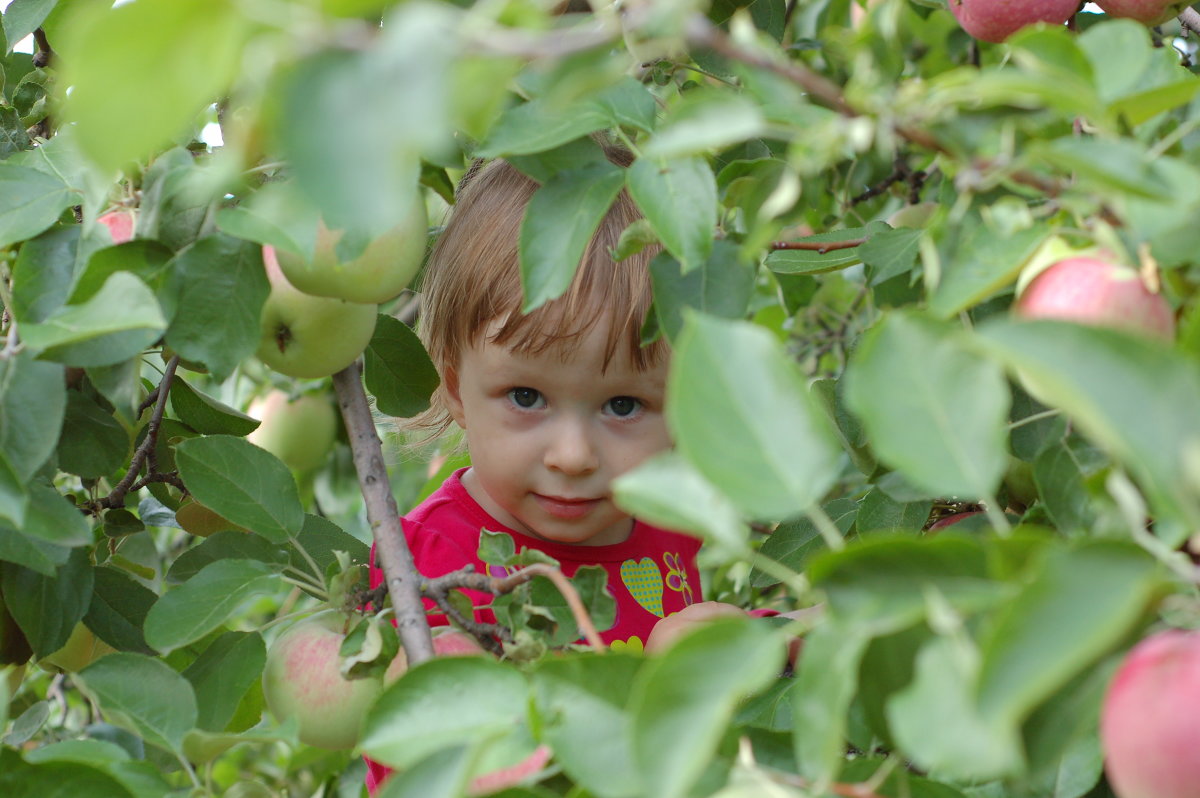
column 838, row 383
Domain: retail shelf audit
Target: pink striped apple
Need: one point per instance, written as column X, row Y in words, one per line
column 996, row 20
column 1148, row 12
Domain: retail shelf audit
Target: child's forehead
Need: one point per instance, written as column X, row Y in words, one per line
column 555, row 338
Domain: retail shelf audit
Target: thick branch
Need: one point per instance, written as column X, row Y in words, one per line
column 1190, row 19
column 391, row 551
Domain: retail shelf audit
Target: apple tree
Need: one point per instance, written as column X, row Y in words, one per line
column 929, row 273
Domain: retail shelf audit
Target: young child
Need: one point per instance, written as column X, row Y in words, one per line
column 554, row 404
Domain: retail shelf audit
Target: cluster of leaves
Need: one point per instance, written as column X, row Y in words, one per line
column 826, row 396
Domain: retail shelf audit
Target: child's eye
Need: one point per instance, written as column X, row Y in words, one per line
column 525, row 397
column 623, row 406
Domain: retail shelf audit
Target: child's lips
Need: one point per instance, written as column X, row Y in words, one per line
column 565, row 507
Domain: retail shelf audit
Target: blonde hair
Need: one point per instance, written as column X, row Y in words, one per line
column 473, row 280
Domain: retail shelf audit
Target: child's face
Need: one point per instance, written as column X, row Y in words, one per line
column 547, row 436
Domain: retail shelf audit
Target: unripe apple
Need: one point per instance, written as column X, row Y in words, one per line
column 384, row 268
column 447, row 642
column 120, row 225
column 1092, row 291
column 301, row 680
column 308, row 336
column 1150, row 723
column 1148, row 12
column 299, row 431
column 996, row 20
column 81, row 649
column 193, row 517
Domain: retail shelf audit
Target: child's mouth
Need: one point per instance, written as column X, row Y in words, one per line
column 565, row 508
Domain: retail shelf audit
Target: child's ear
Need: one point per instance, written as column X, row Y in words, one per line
column 453, row 398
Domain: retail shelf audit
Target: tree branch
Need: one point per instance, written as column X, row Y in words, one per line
column 1189, row 18
column 820, row 247
column 400, row 571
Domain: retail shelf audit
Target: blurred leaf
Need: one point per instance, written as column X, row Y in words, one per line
column 90, row 334
column 142, row 695
column 793, row 543
column 443, row 774
column 173, row 57
column 984, row 263
column 683, row 699
column 44, row 272
column 722, row 286
column 217, row 288
column 769, row 448
column 118, row 610
column 1133, row 397
column 222, row 674
column 443, row 703
column 826, row 682
column 243, row 483
column 932, row 408
column 1108, row 165
column 30, row 201
column 559, row 222
column 667, row 491
column 706, row 121
column 205, row 414
column 585, row 698
column 143, row 258
column 397, row 369
column 22, row 17
column 48, row 607
column 679, row 199
column 56, row 779
column 890, row 253
column 1060, row 473
column 93, row 443
column 33, row 554
column 202, row 604
column 1081, row 603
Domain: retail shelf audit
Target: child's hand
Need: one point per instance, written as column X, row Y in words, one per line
column 665, row 632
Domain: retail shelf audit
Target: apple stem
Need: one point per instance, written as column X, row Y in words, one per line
column 394, row 557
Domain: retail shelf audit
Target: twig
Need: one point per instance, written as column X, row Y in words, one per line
column 116, row 497
column 44, row 52
column 1189, row 18
column 820, row 247
column 400, row 571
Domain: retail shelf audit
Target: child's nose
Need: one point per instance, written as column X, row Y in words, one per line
column 571, row 449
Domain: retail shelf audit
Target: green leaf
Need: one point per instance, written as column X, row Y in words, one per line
column 878, row 512
column 890, row 253
column 584, row 698
column 118, row 609
column 23, row 17
column 397, row 369
column 679, row 199
column 217, row 287
column 31, row 553
column 722, row 286
column 827, row 676
column 142, row 695
column 814, row 261
column 443, row 774
column 1133, row 397
column 1081, row 604
column 53, row 519
column 559, row 221
column 93, row 443
column 706, row 121
column 222, row 675
column 33, row 400
column 56, row 779
column 683, row 701
column 206, row 601
column 173, row 57
column 30, row 201
column 243, row 483
column 443, row 703
column 205, row 414
column 668, row 492
column 47, row 608
column 44, row 273
column 1119, row 165
column 983, row 264
column 769, row 447
column 229, row 545
column 90, row 334
column 320, row 537
column 147, row 260
column 932, row 409
column 793, row 543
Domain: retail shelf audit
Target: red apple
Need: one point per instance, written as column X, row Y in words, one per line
column 951, row 520
column 120, row 225
column 301, row 680
column 299, row 431
column 996, row 20
column 447, row 642
column 1148, row 12
column 669, row 629
column 1092, row 291
column 1150, row 721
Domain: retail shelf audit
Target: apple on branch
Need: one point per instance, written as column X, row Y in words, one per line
column 1148, row 12
column 299, row 431
column 120, row 224
column 308, row 336
column 996, row 20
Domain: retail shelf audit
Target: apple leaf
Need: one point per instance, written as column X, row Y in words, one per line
column 932, row 409
column 222, row 675
column 679, row 199
column 48, row 607
column 683, row 700
column 397, row 370
column 983, row 264
column 443, row 774
column 205, row 414
column 217, row 288
column 243, row 483
column 56, row 779
column 202, row 604
column 30, row 201
column 118, row 609
column 44, row 272
column 827, row 677
column 740, row 412
column 232, row 545
column 53, row 519
column 93, row 442
column 721, row 286
column 142, row 695
column 560, row 220
column 813, row 261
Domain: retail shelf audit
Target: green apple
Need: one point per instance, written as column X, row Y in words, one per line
column 299, row 431
column 308, row 336
column 378, row 271
column 202, row 521
column 80, row 650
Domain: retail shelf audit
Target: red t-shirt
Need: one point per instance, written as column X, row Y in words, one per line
column 651, row 575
